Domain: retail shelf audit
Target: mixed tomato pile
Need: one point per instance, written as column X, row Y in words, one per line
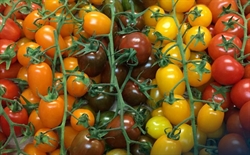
column 120, row 77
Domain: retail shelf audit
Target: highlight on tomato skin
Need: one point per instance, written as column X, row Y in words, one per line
column 124, row 77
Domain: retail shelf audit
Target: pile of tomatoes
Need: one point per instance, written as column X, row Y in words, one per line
column 114, row 77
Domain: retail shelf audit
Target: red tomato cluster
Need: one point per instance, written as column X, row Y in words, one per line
column 125, row 76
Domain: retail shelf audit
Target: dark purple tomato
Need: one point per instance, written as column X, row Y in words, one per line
column 101, row 100
column 127, row 20
column 145, row 146
column 140, row 43
column 232, row 144
column 120, row 70
column 92, row 63
column 147, row 70
column 115, row 138
column 132, row 94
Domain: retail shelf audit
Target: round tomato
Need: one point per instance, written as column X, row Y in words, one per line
column 10, row 30
column 11, row 72
column 240, row 92
column 230, row 23
column 115, row 138
column 84, row 145
column 96, row 23
column 186, row 137
column 22, row 73
column 20, row 117
column 39, row 78
column 69, row 135
column 216, row 7
column 11, row 90
column 232, row 143
column 7, row 52
column 78, row 84
column 149, row 21
column 224, row 44
column 197, row 38
column 46, row 140
column 204, row 17
column 180, row 5
column 208, row 114
column 81, row 119
column 168, row 77
column 52, row 108
column 31, row 149
column 46, row 38
column 53, row 5
column 177, row 111
column 172, row 51
column 199, row 72
column 226, row 70
column 70, row 64
column 156, row 125
column 246, row 71
column 140, row 43
column 166, row 145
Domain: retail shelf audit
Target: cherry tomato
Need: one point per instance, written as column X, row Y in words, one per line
column 84, row 145
column 205, row 17
column 240, row 92
column 165, row 145
column 39, row 78
column 70, row 64
column 195, row 44
column 180, row 5
column 199, row 72
column 177, row 111
column 156, row 125
column 46, row 38
column 10, row 30
column 78, row 84
column 31, row 149
column 52, row 109
column 11, row 72
column 232, row 143
column 19, row 117
column 149, row 21
column 48, row 139
column 244, row 114
column 186, row 137
column 230, row 23
column 138, row 24
column 69, row 135
column 28, row 96
column 96, row 23
column 169, row 76
column 217, row 134
column 115, row 138
column 207, row 114
column 11, row 90
column 226, row 70
column 31, row 22
column 8, row 48
column 247, row 71
column 216, row 7
column 53, row 5
column 224, row 44
column 35, row 120
column 81, row 119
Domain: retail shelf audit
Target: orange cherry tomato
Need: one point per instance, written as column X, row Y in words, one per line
column 79, row 116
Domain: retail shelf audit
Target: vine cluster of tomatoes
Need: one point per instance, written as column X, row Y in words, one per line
column 121, row 77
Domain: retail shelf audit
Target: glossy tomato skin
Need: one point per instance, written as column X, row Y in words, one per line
column 10, row 30
column 94, row 62
column 226, row 70
column 234, row 29
column 207, row 114
column 216, row 49
column 39, row 78
column 210, row 93
column 240, row 92
column 11, row 72
column 132, row 94
column 146, row 70
column 139, row 42
column 115, row 138
column 216, row 7
column 12, row 91
column 8, row 44
column 35, row 120
column 30, row 148
column 138, row 24
column 20, row 117
column 244, row 115
column 232, row 144
column 84, row 145
column 165, row 145
column 167, row 77
column 136, row 149
column 101, row 101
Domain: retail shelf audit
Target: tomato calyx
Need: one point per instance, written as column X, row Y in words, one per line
column 42, row 138
column 35, row 54
column 196, row 13
column 8, row 55
column 216, row 106
column 127, row 56
column 144, row 86
column 225, row 10
column 227, row 44
column 91, row 46
column 200, row 67
column 221, row 90
column 15, row 106
column 230, row 23
column 2, row 91
column 174, row 134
